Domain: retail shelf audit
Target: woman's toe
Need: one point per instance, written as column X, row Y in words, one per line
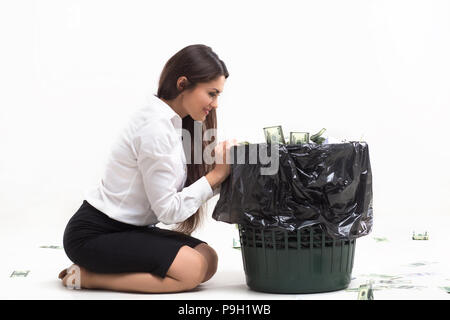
column 62, row 274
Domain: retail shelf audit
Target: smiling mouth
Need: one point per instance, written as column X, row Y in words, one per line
column 206, row 111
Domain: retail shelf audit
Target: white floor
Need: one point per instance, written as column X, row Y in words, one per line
column 399, row 267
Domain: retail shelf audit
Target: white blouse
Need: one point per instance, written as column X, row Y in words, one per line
column 146, row 171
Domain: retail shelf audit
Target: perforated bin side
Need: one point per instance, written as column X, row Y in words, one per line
column 302, row 261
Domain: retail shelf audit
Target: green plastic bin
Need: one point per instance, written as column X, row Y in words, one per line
column 302, row 261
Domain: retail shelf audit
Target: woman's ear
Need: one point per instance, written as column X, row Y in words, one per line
column 182, row 83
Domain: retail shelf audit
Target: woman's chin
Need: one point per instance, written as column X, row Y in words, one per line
column 201, row 118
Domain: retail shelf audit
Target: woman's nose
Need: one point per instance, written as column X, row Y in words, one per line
column 214, row 104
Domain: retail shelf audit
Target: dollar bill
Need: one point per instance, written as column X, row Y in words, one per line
column 17, row 273
column 447, row 289
column 421, row 263
column 51, row 247
column 274, row 135
column 236, row 243
column 236, row 240
column 420, row 236
column 365, row 292
column 386, row 282
column 298, row 137
column 317, row 137
column 382, row 276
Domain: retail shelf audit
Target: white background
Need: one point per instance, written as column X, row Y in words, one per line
column 72, row 71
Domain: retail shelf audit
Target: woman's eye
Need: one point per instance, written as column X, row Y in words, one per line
column 212, row 94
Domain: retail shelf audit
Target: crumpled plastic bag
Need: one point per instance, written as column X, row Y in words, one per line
column 328, row 185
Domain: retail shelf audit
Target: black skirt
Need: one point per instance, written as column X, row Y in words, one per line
column 103, row 245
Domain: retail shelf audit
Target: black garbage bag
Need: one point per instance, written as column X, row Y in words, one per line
column 329, row 185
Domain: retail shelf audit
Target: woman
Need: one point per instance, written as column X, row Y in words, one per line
column 112, row 238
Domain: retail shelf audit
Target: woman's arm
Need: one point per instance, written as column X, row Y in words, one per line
column 158, row 161
column 214, row 179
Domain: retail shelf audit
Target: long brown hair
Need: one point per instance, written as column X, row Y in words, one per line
column 198, row 63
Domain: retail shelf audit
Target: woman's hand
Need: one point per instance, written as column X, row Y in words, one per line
column 222, row 169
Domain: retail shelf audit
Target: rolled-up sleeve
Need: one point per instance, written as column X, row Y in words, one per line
column 159, row 161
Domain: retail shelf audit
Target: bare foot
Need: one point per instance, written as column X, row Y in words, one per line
column 62, row 274
column 75, row 277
